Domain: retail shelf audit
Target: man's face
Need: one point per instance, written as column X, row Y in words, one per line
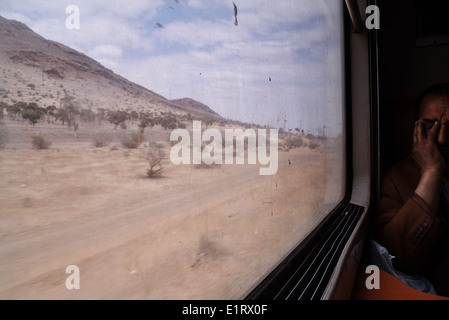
column 436, row 108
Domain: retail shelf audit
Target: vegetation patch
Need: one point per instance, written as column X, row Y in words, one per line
column 39, row 143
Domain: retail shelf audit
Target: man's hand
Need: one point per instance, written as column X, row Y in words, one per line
column 425, row 150
column 426, row 153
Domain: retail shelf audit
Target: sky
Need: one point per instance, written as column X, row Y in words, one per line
column 281, row 61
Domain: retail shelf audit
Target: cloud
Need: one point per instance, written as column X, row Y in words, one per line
column 90, row 8
column 195, row 3
column 201, row 54
column 102, row 22
column 106, row 50
column 200, row 33
column 108, row 55
column 230, row 68
column 16, row 16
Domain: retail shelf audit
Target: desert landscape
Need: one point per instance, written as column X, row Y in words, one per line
column 193, row 233
column 80, row 153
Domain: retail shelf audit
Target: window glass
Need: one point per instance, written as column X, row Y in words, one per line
column 165, row 149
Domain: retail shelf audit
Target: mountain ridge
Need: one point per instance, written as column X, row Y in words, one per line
column 43, row 71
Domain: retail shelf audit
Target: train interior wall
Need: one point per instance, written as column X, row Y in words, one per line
column 405, row 70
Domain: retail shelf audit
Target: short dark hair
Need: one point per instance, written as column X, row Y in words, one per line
column 439, row 89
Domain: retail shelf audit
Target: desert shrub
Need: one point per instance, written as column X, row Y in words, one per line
column 313, row 145
column 3, row 136
column 182, row 125
column 203, row 165
column 115, row 147
column 133, row 141
column 39, row 143
column 155, row 155
column 294, row 142
column 101, row 141
column 310, row 136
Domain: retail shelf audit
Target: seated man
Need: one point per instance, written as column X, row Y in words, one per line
column 413, row 214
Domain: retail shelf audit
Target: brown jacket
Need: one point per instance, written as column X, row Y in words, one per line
column 405, row 225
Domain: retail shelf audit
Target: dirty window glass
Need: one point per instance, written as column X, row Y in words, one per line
column 164, row 149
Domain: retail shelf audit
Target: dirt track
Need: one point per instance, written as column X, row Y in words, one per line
column 193, row 234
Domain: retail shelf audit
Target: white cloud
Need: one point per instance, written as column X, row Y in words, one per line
column 204, row 55
column 195, row 3
column 16, row 16
column 107, row 55
column 200, row 33
column 101, row 22
column 106, row 50
column 91, row 8
column 273, row 13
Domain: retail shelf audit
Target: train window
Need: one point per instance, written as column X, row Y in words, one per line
column 219, row 143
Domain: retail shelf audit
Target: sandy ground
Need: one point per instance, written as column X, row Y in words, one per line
column 208, row 233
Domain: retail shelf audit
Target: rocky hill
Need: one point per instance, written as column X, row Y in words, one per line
column 45, row 72
column 195, row 107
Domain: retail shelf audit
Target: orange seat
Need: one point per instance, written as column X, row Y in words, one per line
column 391, row 288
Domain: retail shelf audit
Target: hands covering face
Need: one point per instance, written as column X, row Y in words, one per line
column 431, row 144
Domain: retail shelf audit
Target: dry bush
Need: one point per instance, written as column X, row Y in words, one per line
column 294, row 142
column 101, row 141
column 115, row 147
column 39, row 143
column 134, row 141
column 155, row 155
column 3, row 137
column 206, row 166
